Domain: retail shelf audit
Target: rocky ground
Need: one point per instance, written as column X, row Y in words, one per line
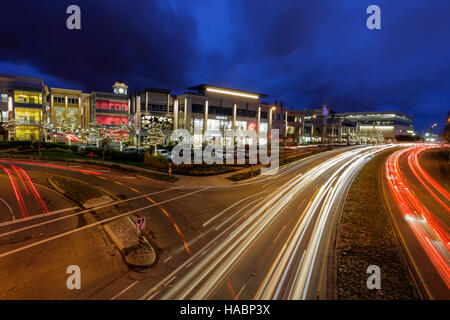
column 365, row 237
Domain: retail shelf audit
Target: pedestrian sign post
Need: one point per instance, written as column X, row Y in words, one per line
column 140, row 224
column 141, row 240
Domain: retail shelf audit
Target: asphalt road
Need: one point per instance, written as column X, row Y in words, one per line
column 266, row 238
column 419, row 207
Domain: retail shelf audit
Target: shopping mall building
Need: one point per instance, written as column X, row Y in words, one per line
column 21, row 105
column 204, row 107
column 209, row 113
column 390, row 123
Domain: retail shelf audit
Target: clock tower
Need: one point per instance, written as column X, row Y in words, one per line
column 120, row 88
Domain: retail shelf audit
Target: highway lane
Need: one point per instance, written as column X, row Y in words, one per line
column 39, row 235
column 420, row 211
column 261, row 254
column 187, row 223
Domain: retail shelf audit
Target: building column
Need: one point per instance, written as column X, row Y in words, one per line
column 138, row 113
column 66, row 105
column 52, row 111
column 269, row 132
column 258, row 121
column 302, row 119
column 175, row 114
column 88, row 113
column 168, row 104
column 205, row 117
column 185, row 126
column 146, row 101
column 79, row 111
column 234, row 115
column 285, row 125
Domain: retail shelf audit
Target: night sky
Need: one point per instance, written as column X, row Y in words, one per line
column 303, row 52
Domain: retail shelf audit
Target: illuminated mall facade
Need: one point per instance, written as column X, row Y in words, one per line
column 150, row 116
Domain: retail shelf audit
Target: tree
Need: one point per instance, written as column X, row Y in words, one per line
column 121, row 133
column 97, row 132
column 10, row 126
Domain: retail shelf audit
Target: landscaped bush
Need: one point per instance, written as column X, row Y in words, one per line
column 51, row 145
column 155, row 161
column 14, row 143
column 115, row 155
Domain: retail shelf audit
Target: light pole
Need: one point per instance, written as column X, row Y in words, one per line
column 273, row 108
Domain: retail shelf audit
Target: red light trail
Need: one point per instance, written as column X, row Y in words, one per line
column 429, row 230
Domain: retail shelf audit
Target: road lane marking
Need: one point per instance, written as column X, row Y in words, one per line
column 74, row 214
column 241, row 290
column 37, row 216
column 10, row 209
column 31, row 245
column 279, row 234
column 125, row 290
column 226, row 209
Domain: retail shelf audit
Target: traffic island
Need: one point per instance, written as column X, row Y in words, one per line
column 121, row 231
column 365, row 238
column 125, row 235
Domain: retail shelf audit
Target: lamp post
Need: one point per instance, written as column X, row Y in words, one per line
column 269, row 133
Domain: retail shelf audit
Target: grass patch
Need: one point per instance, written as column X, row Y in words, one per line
column 365, row 237
column 77, row 190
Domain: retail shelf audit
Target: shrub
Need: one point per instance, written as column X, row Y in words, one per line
column 14, row 143
column 155, row 161
column 51, row 145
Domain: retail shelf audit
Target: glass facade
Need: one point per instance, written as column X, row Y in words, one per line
column 28, row 116
column 27, row 133
column 27, row 97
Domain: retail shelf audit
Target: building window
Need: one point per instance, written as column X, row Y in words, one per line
column 28, row 116
column 27, row 97
column 197, row 108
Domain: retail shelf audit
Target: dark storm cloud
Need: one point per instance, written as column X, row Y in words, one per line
column 332, row 58
column 141, row 42
column 303, row 52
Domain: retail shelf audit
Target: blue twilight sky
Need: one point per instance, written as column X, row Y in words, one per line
column 303, row 52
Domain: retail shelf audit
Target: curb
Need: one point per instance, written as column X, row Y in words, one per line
column 133, row 255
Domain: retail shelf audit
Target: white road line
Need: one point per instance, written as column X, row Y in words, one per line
column 37, row 216
column 240, row 291
column 226, row 209
column 34, row 244
column 74, row 214
column 171, row 279
column 10, row 209
column 125, row 290
column 279, row 233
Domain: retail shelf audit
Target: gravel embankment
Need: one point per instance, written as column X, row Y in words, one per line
column 365, row 237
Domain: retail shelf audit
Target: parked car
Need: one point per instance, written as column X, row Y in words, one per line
column 87, row 145
column 164, row 153
column 131, row 149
